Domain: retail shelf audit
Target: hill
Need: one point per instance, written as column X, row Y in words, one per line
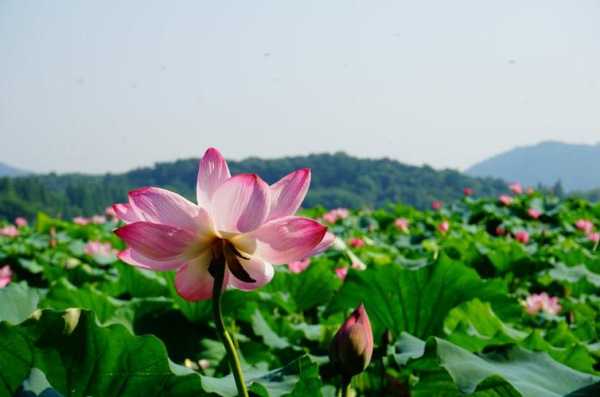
column 545, row 163
column 7, row 170
column 338, row 180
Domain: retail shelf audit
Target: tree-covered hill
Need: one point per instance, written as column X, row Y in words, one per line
column 338, row 180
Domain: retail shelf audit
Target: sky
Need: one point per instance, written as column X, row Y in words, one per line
column 109, row 86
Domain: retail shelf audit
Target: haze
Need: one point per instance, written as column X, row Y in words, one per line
column 108, row 86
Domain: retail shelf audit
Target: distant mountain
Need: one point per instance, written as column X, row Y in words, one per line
column 338, row 180
column 575, row 166
column 7, row 170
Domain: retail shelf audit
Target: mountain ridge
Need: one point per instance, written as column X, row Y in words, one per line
column 545, row 163
column 9, row 170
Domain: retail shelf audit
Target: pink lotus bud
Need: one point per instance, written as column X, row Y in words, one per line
column 5, row 276
column 505, row 200
column 594, row 237
column 336, row 214
column 468, row 191
column 401, row 224
column 21, row 222
column 9, row 231
column 80, row 220
column 436, row 205
column 341, row 273
column 584, row 225
column 516, row 188
column 522, row 236
column 444, row 227
column 351, row 349
column 534, row 213
column 299, row 266
column 500, row 231
column 356, row 242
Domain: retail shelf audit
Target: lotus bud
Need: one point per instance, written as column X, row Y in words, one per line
column 352, row 346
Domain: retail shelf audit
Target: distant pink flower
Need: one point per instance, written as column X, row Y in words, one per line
column 444, row 227
column 98, row 219
column 468, row 191
column 9, row 231
column 93, row 248
column 402, row 224
column 516, row 188
column 299, row 266
column 80, row 220
column 542, row 302
column 21, row 222
column 334, row 215
column 240, row 222
column 530, row 190
column 110, row 212
column 505, row 200
column 436, row 205
column 341, row 273
column 534, row 213
column 522, row 236
column 584, row 225
column 356, row 242
column 500, row 231
column 594, row 237
column 5, row 276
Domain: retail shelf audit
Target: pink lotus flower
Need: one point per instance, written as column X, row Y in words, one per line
column 534, row 213
column 80, row 220
column 9, row 231
column 356, row 242
column 500, row 231
column 516, row 188
column 436, row 205
column 444, row 227
column 341, row 273
column 522, row 236
column 21, row 222
column 584, row 225
column 334, row 215
column 594, row 237
column 93, row 248
column 239, row 221
column 352, row 346
column 299, row 266
column 542, row 302
column 402, row 224
column 5, row 276
column 505, row 200
column 468, row 191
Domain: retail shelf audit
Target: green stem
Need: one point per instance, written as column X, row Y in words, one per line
column 218, row 272
column 345, row 386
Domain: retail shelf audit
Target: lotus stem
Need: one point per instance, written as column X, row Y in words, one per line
column 218, row 272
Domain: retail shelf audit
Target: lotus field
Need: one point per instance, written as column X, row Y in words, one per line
column 241, row 292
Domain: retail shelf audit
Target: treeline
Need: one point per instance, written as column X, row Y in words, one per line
column 338, row 180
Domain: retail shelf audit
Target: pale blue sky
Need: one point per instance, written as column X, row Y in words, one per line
column 110, row 85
